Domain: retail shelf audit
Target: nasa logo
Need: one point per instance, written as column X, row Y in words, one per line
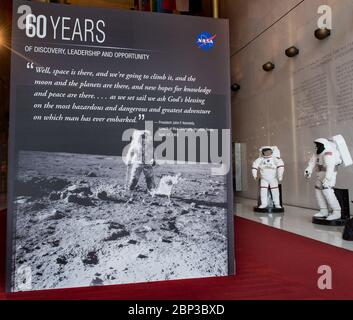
column 205, row 41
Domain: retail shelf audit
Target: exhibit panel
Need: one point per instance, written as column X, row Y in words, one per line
column 120, row 161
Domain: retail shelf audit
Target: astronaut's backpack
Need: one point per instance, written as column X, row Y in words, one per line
column 348, row 231
column 343, row 150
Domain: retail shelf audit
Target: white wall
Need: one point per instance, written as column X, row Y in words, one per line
column 266, row 111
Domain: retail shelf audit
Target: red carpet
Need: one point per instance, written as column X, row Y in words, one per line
column 271, row 264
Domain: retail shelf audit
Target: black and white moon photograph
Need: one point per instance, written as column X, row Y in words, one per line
column 77, row 224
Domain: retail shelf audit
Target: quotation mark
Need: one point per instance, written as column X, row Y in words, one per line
column 30, row 65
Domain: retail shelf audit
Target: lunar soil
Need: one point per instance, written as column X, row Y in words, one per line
column 73, row 226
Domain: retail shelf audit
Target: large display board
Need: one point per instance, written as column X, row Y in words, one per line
column 107, row 110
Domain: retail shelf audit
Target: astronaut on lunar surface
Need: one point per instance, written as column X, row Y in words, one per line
column 140, row 159
column 330, row 153
column 269, row 167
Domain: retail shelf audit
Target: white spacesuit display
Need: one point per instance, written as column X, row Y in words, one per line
column 269, row 167
column 329, row 155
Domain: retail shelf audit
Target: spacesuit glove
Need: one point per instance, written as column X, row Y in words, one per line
column 153, row 162
column 255, row 176
column 280, row 178
column 307, row 173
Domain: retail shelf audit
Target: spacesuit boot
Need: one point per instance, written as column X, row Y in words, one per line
column 334, row 205
column 322, row 205
column 263, row 197
column 129, row 194
column 336, row 215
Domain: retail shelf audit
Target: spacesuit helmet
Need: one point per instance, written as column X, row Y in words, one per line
column 266, row 151
column 321, row 145
column 320, row 148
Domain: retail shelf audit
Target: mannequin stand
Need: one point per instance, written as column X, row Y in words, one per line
column 269, row 210
column 334, row 223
